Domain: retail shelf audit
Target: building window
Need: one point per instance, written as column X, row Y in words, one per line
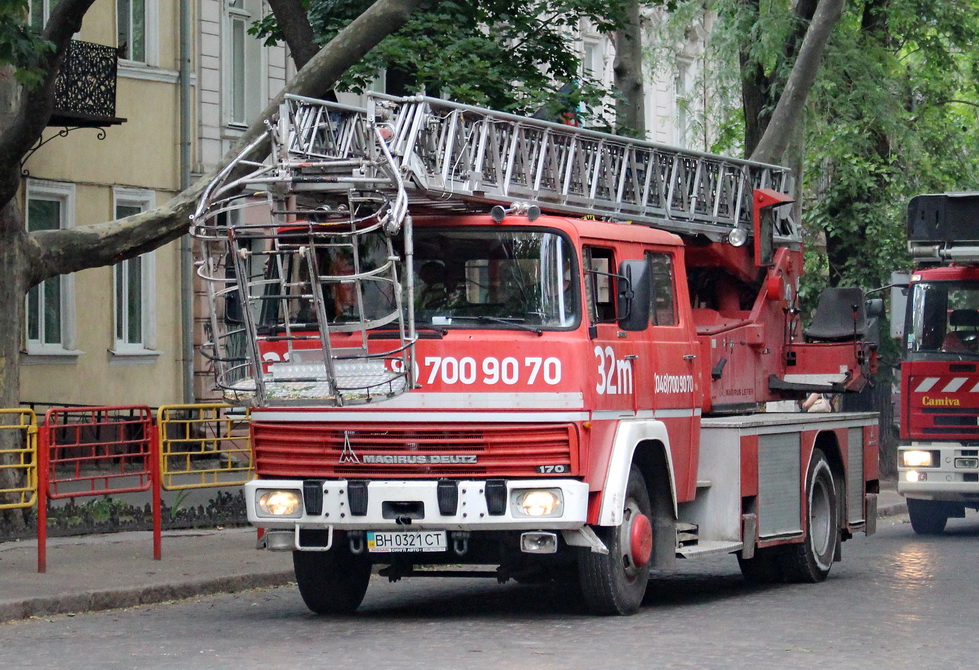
column 681, row 97
column 592, row 60
column 133, row 288
column 40, row 11
column 136, row 30
column 245, row 62
column 50, row 306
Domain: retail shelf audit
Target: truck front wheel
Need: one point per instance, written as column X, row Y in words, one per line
column 928, row 517
column 331, row 582
column 615, row 583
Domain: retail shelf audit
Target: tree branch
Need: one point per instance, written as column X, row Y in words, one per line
column 64, row 251
column 296, row 31
column 792, row 102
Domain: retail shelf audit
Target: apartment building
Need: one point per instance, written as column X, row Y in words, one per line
column 115, row 335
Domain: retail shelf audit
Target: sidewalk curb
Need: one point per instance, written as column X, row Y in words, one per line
column 92, row 601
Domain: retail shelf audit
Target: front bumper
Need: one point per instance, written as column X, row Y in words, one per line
column 397, row 505
column 953, row 475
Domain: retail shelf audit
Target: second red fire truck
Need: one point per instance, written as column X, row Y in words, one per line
column 938, row 458
column 476, row 343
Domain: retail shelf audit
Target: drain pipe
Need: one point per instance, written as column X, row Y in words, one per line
column 186, row 258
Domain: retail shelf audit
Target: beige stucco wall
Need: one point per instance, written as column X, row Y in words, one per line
column 142, row 153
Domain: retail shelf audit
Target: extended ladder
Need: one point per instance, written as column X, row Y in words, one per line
column 293, row 245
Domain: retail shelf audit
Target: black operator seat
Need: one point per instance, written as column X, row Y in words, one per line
column 835, row 318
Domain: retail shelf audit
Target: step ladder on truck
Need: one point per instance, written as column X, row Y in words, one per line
column 532, row 350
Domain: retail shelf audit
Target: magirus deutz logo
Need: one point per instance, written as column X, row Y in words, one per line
column 348, row 455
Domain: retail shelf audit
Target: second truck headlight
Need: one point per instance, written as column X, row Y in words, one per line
column 916, row 458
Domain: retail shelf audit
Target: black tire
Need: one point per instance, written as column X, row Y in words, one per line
column 614, row 583
column 928, row 517
column 331, row 582
column 762, row 568
column 811, row 560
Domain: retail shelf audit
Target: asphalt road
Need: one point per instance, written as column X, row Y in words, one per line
column 896, row 601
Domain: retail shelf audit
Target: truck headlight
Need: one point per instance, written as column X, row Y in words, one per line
column 916, row 458
column 537, row 502
column 281, row 503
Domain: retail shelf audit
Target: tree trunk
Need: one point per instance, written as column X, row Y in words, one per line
column 296, row 31
column 12, row 291
column 630, row 107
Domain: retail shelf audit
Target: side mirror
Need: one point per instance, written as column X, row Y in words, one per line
column 900, row 282
column 635, row 286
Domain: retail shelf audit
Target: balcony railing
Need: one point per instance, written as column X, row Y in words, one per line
column 85, row 91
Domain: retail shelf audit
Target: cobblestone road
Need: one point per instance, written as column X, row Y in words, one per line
column 896, row 601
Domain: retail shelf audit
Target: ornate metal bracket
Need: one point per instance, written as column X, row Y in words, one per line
column 41, row 142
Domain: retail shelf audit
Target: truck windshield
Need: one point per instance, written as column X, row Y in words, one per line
column 943, row 318
column 494, row 278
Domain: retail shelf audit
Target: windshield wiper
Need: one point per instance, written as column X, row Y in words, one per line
column 506, row 321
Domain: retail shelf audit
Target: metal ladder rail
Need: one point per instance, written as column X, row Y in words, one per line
column 452, row 156
column 700, row 195
column 602, row 168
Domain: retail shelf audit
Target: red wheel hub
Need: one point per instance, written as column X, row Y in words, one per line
column 641, row 539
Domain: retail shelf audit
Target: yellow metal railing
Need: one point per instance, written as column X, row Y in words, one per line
column 202, row 446
column 18, row 458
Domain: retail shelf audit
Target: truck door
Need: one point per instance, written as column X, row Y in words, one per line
column 670, row 382
column 616, row 354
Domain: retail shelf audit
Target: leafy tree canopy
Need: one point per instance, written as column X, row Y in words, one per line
column 20, row 45
column 513, row 55
column 894, row 112
column 894, row 115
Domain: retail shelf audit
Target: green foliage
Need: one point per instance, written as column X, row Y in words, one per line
column 883, row 127
column 512, row 56
column 894, row 113
column 20, row 45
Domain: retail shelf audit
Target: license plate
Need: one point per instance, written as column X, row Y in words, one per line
column 387, row 542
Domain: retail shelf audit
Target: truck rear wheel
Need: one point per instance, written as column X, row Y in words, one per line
column 928, row 517
column 811, row 560
column 615, row 583
column 331, row 582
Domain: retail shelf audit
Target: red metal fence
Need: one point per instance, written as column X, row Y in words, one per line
column 94, row 451
column 102, row 451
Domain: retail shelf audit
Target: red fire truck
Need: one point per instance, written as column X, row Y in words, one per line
column 482, row 344
column 938, row 458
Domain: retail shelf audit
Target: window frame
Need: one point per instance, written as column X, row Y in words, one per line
column 253, row 76
column 64, row 194
column 144, row 199
column 600, row 283
column 682, row 101
column 45, row 13
column 151, row 36
column 658, row 280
